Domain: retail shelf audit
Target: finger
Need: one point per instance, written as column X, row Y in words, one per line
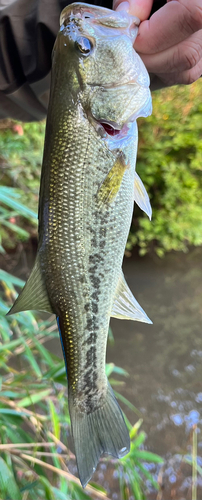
column 170, row 25
column 182, row 57
column 185, row 77
column 139, row 8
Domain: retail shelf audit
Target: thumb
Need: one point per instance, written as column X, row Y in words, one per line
column 139, row 8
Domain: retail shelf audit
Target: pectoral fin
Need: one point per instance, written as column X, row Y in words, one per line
column 34, row 294
column 111, row 185
column 141, row 197
column 125, row 305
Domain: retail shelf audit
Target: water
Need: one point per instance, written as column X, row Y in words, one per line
column 164, row 362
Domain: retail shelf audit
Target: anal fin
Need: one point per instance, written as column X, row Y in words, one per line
column 125, row 305
column 34, row 294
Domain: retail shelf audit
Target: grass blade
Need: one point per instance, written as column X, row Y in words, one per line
column 34, row 398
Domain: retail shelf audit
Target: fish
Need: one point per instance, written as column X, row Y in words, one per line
column 99, row 87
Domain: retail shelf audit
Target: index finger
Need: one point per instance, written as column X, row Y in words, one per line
column 170, row 25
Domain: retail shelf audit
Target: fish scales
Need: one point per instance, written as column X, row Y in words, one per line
column 88, row 185
column 73, row 243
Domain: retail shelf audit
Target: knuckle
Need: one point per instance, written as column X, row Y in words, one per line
column 188, row 53
column 193, row 17
column 197, row 17
column 192, row 56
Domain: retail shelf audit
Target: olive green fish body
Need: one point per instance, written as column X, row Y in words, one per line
column 81, row 246
column 88, row 186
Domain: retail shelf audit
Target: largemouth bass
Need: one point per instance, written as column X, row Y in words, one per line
column 99, row 88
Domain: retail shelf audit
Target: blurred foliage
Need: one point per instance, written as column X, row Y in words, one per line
column 34, row 417
column 21, row 148
column 169, row 163
column 11, row 209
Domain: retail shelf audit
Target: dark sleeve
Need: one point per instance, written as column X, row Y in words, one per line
column 28, row 29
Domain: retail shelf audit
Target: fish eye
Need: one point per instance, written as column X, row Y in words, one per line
column 84, row 45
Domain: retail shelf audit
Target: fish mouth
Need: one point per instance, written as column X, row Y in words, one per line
column 111, row 128
column 107, row 129
column 120, row 130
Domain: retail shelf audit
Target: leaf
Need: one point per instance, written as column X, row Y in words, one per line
column 34, row 398
column 135, row 485
column 109, row 368
column 110, row 336
column 45, row 354
column 7, row 199
column 58, row 374
column 9, row 346
column 55, row 420
column 60, row 495
column 147, row 456
column 12, row 394
column 7, row 482
column 77, row 493
column 29, row 486
column 139, row 440
column 190, row 462
column 17, row 435
column 2, row 249
column 32, row 359
column 120, row 371
column 98, row 487
column 16, row 413
column 127, row 403
column 10, row 279
column 47, row 488
column 148, row 475
column 16, row 229
column 113, row 382
column 135, row 428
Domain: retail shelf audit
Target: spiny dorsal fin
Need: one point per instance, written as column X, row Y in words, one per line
column 125, row 305
column 141, row 197
column 34, row 294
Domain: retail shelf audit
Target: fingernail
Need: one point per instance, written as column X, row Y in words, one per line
column 122, row 6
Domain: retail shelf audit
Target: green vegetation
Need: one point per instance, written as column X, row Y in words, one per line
column 170, row 165
column 34, row 417
column 21, row 149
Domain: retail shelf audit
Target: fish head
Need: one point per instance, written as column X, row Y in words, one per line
column 100, row 66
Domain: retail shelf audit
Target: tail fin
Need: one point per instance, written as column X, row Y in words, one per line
column 102, row 431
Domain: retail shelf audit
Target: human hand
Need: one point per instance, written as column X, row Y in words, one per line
column 170, row 42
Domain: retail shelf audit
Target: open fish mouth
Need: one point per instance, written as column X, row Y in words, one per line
column 111, row 129
column 118, row 131
column 114, row 131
